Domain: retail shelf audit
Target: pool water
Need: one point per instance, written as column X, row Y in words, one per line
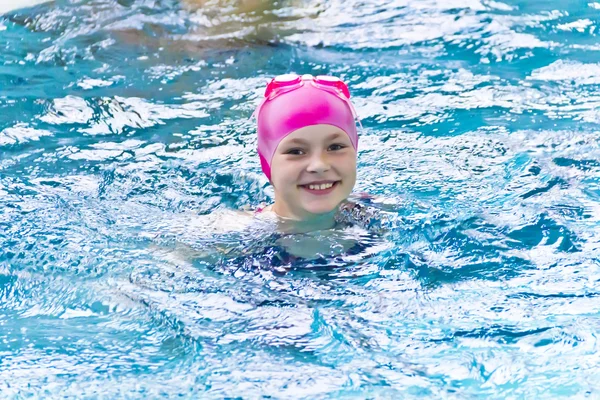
column 124, row 128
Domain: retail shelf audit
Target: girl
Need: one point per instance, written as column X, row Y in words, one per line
column 307, row 144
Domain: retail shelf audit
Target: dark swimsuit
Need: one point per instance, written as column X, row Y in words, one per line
column 277, row 258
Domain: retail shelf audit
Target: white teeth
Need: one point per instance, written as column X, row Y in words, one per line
column 322, row 186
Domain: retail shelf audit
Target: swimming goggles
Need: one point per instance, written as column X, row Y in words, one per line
column 289, row 82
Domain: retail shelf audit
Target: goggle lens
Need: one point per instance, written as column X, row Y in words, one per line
column 288, row 80
column 335, row 82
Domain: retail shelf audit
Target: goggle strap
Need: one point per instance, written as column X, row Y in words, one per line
column 356, row 117
column 362, row 129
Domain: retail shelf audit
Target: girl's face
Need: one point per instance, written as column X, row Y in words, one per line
column 312, row 171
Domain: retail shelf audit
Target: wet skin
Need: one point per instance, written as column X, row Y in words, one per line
column 312, row 171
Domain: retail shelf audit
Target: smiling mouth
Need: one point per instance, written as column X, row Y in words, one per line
column 317, row 187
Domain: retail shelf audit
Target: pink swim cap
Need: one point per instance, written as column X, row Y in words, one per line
column 293, row 102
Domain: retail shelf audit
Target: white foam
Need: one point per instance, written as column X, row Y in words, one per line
column 579, row 25
column 121, row 112
column 71, row 313
column 583, row 74
column 21, row 133
column 68, row 110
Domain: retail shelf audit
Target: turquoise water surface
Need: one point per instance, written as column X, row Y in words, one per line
column 124, row 128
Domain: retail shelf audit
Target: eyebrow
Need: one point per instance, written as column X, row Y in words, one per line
column 330, row 137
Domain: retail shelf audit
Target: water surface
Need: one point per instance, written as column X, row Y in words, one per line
column 124, row 123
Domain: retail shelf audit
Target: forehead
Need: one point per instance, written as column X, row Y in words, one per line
column 315, row 134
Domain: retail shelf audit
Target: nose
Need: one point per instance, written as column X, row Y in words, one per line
column 318, row 163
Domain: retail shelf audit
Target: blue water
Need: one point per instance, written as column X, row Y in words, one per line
column 124, row 127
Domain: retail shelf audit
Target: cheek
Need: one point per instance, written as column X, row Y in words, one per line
column 282, row 176
column 349, row 166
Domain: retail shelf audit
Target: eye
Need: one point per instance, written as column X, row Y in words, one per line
column 294, row 152
column 337, row 147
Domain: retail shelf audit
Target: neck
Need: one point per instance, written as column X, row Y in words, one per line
column 313, row 222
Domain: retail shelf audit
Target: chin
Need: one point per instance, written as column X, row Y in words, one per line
column 321, row 208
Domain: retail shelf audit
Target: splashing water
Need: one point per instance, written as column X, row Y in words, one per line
column 124, row 140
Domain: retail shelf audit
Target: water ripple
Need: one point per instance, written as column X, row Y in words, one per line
column 126, row 149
